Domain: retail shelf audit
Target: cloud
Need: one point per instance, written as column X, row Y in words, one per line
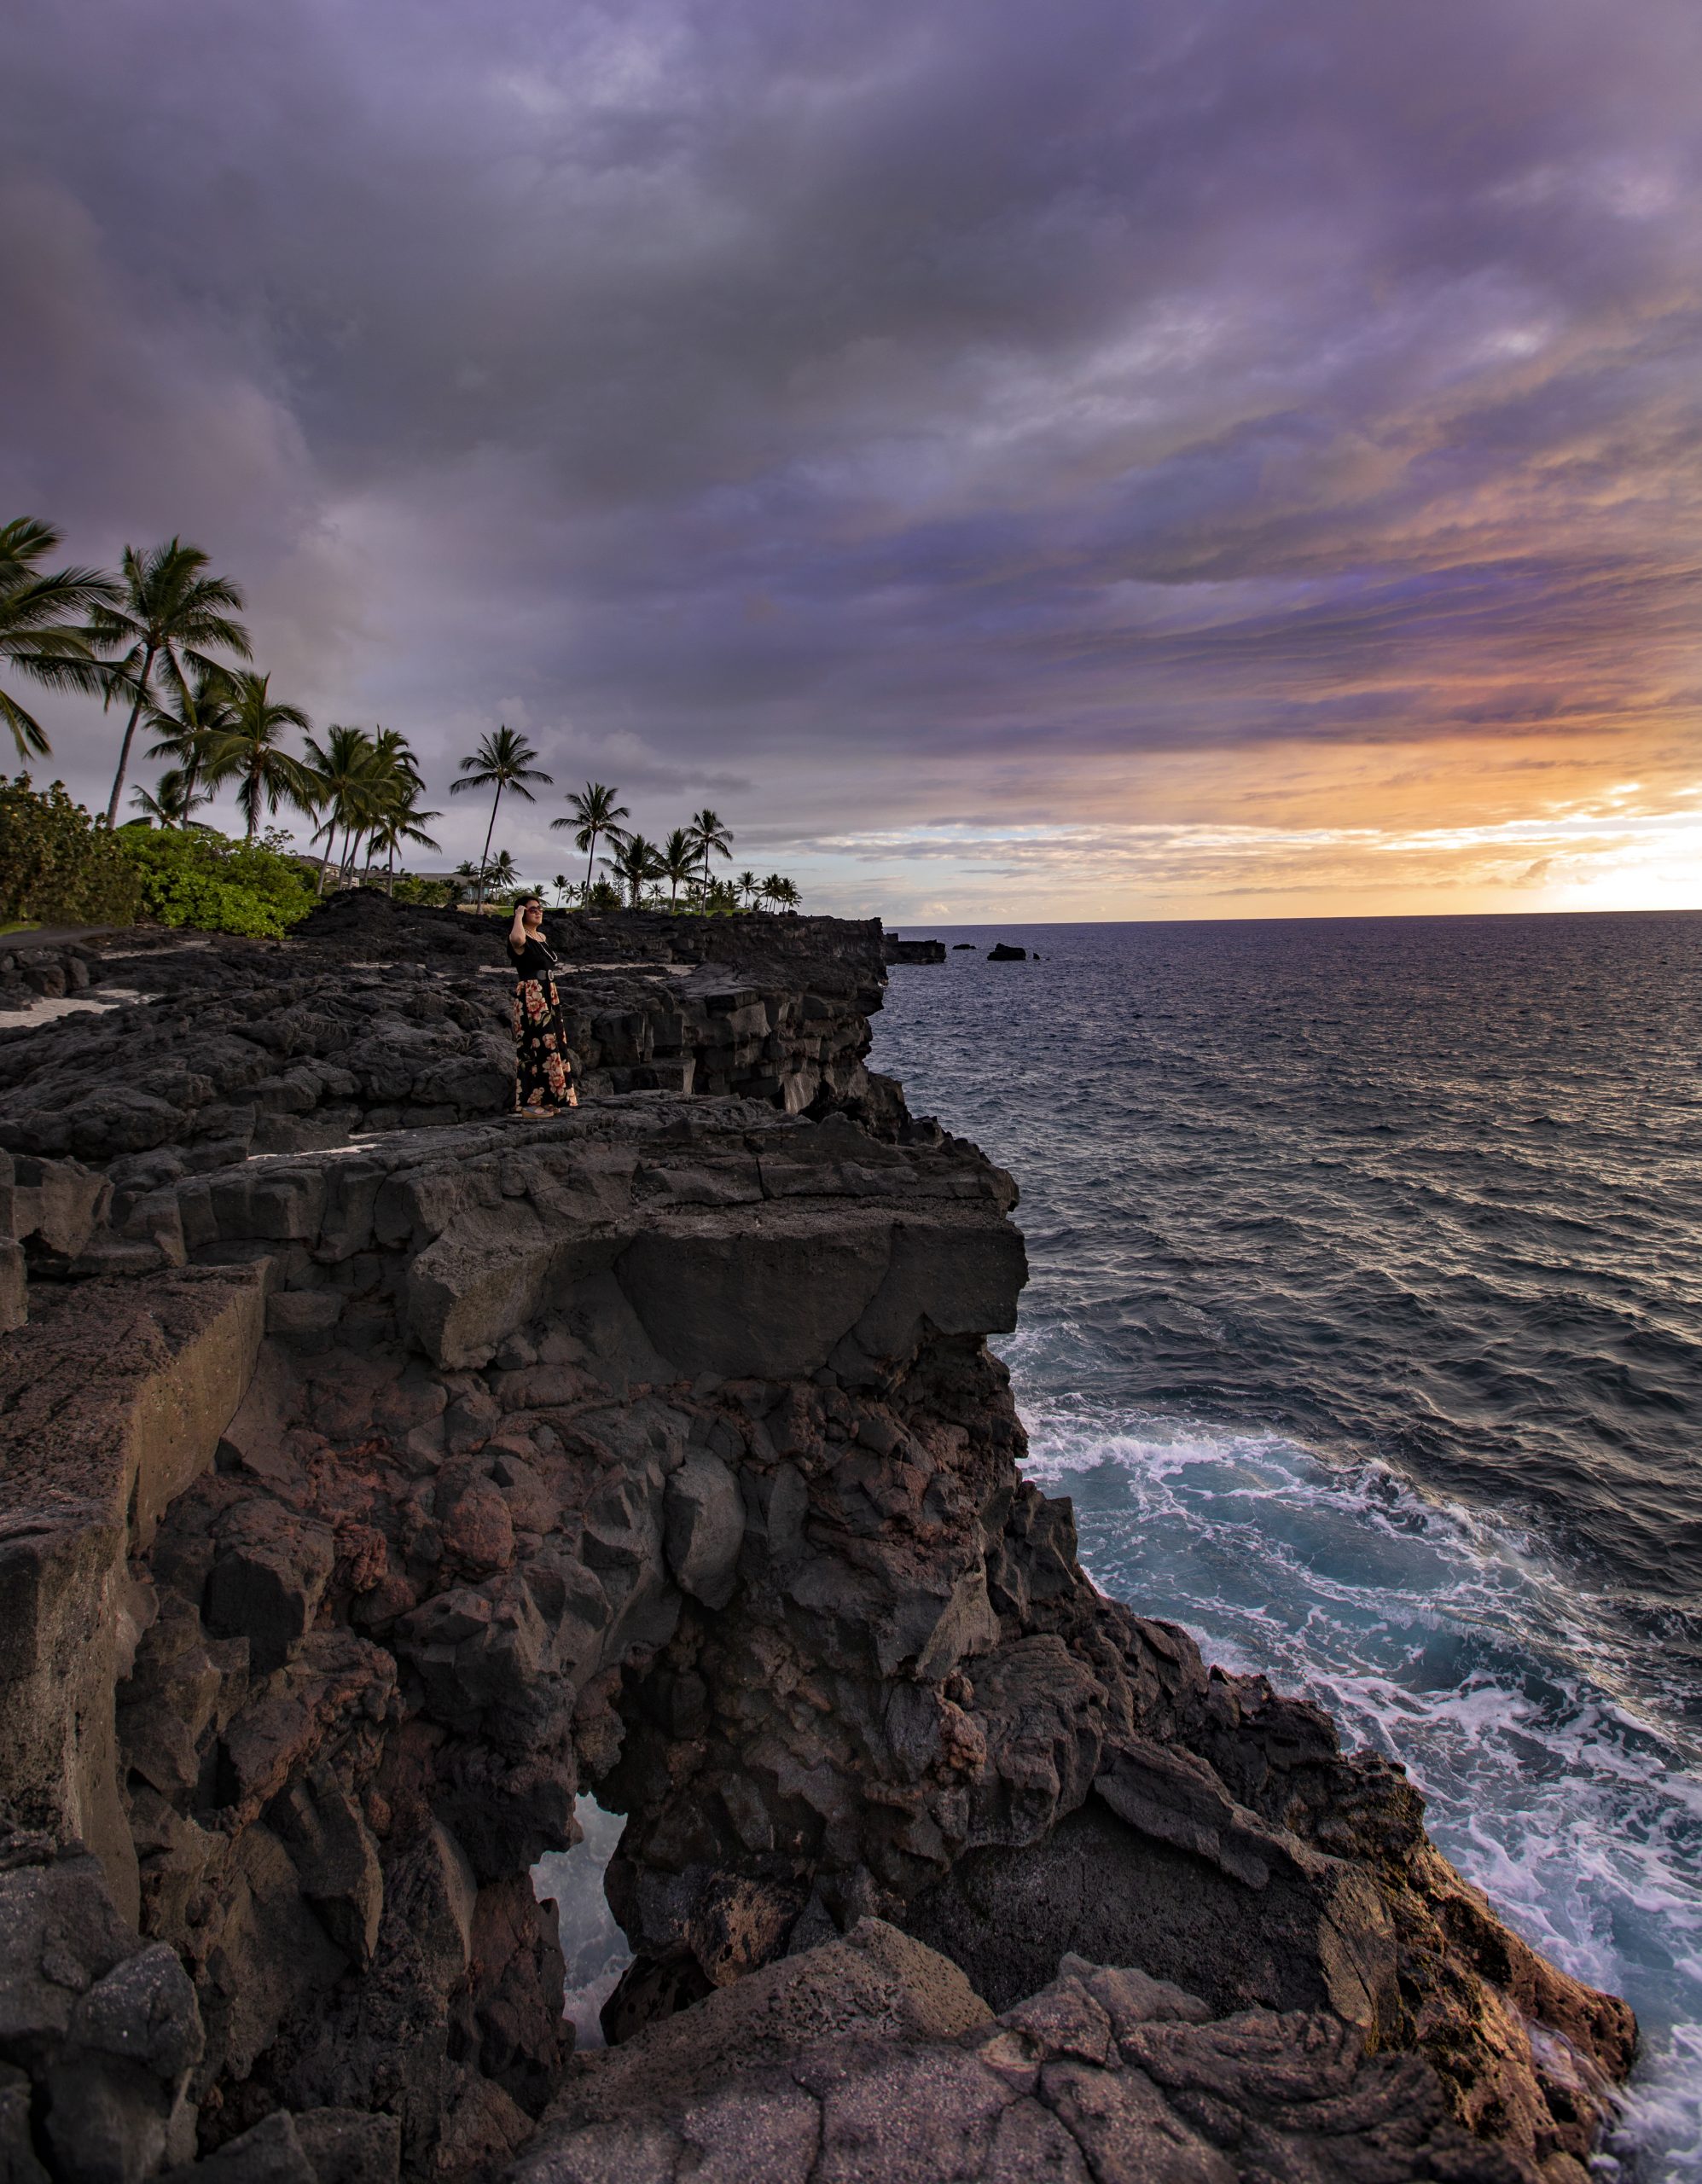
column 859, row 412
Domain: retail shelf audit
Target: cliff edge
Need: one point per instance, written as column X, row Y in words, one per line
column 373, row 1486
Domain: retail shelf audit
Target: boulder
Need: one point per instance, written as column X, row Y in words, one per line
column 704, row 1528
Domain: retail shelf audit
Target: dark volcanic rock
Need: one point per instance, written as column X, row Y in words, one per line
column 32, row 971
column 872, row 2056
column 377, row 1016
column 655, row 1450
column 913, row 951
column 1002, row 952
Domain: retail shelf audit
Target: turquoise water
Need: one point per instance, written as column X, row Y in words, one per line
column 1364, row 1331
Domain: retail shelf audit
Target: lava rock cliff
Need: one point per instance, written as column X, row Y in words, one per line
column 365, row 1500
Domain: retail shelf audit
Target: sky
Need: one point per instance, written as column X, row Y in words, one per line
column 1205, row 459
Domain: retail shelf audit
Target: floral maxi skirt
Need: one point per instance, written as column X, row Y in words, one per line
column 544, row 1066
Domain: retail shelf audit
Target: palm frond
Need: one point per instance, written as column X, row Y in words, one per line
column 27, row 732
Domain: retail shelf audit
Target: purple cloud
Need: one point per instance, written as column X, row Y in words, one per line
column 902, row 413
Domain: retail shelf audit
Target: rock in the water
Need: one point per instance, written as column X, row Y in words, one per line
column 913, row 951
column 1002, row 952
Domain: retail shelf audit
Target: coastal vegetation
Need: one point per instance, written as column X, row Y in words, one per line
column 56, row 866
column 192, row 876
column 162, row 643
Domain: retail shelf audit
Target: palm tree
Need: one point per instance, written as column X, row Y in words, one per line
column 677, row 862
column 166, row 610
column 593, row 811
column 345, row 777
column 195, row 730
column 402, row 820
column 384, row 808
column 747, row 886
column 563, row 887
column 41, row 616
column 490, row 875
column 506, row 760
column 778, row 891
column 709, row 838
column 253, row 752
column 175, row 799
column 636, row 862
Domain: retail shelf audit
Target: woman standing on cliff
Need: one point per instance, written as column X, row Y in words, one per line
column 544, row 1063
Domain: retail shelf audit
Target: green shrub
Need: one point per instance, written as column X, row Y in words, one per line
column 57, row 865
column 433, row 894
column 192, row 876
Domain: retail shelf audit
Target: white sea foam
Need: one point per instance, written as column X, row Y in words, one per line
column 1556, row 1778
column 1429, row 1190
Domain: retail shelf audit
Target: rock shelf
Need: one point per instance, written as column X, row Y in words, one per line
column 363, row 1504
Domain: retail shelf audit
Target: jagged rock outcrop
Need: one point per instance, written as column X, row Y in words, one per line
column 913, row 951
column 401, row 1490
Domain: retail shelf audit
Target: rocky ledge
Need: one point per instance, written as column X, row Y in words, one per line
column 378, row 1017
column 390, row 1495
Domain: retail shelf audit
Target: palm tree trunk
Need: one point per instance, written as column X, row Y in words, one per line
column 129, row 735
column 589, row 861
column 484, row 860
column 253, row 814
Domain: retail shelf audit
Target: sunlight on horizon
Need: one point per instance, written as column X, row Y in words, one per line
column 1593, row 857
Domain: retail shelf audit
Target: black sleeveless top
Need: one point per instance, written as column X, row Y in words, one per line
column 533, row 959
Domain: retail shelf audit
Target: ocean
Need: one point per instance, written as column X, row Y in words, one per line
column 1365, row 1331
